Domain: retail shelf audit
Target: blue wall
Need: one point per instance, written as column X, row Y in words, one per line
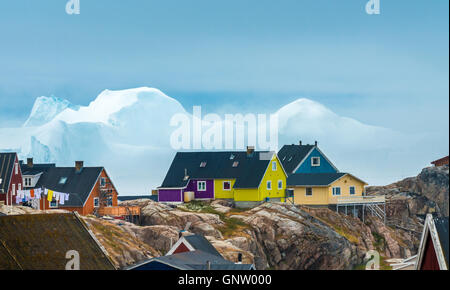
column 325, row 166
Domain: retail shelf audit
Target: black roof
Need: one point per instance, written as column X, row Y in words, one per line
column 202, row 244
column 441, row 224
column 291, row 156
column 195, row 260
column 135, row 197
column 310, row 179
column 40, row 242
column 78, row 184
column 6, row 169
column 35, row 169
column 248, row 173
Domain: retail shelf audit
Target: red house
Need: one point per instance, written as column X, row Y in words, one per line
column 440, row 162
column 433, row 250
column 10, row 178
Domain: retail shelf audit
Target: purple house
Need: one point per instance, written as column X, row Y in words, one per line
column 196, row 171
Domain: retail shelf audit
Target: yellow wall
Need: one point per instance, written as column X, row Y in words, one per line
column 219, row 192
column 324, row 195
column 256, row 194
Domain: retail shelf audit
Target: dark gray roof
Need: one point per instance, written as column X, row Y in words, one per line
column 310, row 179
column 78, row 184
column 248, row 173
column 40, row 242
column 2, row 214
column 441, row 224
column 291, row 156
column 36, row 169
column 202, row 244
column 195, row 260
column 6, row 169
column 135, row 197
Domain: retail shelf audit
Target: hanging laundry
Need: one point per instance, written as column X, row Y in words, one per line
column 61, row 199
column 66, row 196
column 56, row 195
column 50, row 195
column 32, row 193
column 38, row 192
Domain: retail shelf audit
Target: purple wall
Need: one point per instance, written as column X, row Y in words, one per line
column 170, row 195
column 208, row 194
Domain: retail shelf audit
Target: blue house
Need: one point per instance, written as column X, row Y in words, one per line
column 305, row 159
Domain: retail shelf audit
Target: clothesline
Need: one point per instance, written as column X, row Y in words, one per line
column 41, row 193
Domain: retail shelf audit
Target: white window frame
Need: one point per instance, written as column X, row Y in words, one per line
column 274, row 166
column 312, row 161
column 350, row 190
column 306, row 191
column 335, row 190
column 278, row 184
column 107, row 201
column 19, row 186
column 16, row 168
column 13, row 189
column 50, row 204
column 198, row 185
column 269, row 184
column 98, row 202
column 223, row 185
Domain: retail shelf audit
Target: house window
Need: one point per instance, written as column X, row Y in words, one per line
column 62, row 180
column 315, row 161
column 19, row 187
column 269, row 185
column 53, row 204
column 352, row 190
column 280, row 184
column 336, row 191
column 16, row 168
column 103, row 182
column 232, row 156
column 309, row 191
column 274, row 166
column 235, row 163
column 203, row 164
column 227, row 185
column 109, row 201
column 13, row 189
column 201, row 186
column 96, row 202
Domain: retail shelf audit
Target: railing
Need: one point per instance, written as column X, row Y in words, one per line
column 358, row 199
column 119, row 211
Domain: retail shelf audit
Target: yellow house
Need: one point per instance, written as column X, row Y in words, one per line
column 325, row 188
column 246, row 177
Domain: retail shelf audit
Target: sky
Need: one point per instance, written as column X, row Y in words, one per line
column 389, row 70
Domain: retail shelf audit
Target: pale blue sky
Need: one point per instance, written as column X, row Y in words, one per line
column 389, row 70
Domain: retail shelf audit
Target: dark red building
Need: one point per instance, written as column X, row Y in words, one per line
column 10, row 178
column 433, row 250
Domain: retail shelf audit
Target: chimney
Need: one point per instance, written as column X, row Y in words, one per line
column 239, row 258
column 315, row 143
column 208, row 265
column 30, row 162
column 250, row 150
column 79, row 165
column 300, row 143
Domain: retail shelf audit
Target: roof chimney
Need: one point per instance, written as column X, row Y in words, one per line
column 79, row 165
column 315, row 143
column 30, row 162
column 300, row 143
column 208, row 265
column 250, row 150
column 239, row 258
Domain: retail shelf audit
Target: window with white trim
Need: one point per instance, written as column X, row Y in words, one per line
column 102, row 182
column 201, row 185
column 16, row 168
column 96, row 202
column 13, row 189
column 280, row 184
column 352, row 190
column 309, row 191
column 53, row 204
column 274, row 166
column 269, row 185
column 336, row 191
column 315, row 161
column 227, row 185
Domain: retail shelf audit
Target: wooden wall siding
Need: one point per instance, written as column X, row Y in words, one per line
column 170, row 195
column 16, row 179
column 430, row 261
column 181, row 249
column 207, row 194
